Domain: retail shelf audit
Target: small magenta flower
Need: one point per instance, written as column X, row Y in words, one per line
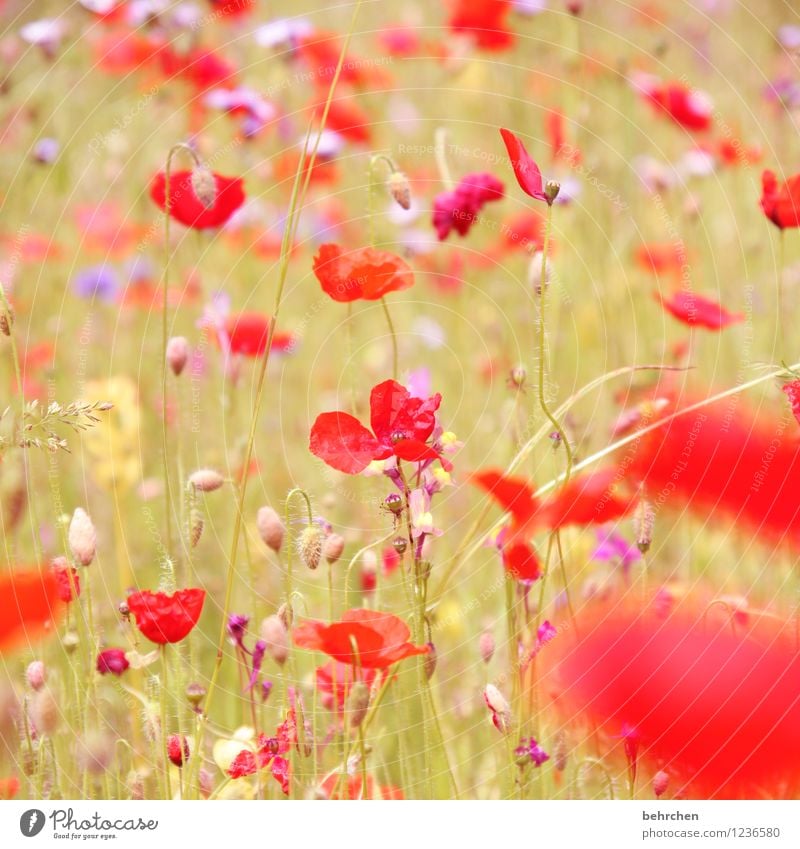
column 236, row 628
column 529, row 751
column 112, row 661
column 614, row 547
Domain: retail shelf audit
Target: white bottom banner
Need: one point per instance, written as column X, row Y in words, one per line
column 488, row 825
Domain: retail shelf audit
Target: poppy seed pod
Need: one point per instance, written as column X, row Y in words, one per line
column 177, row 354
column 206, row 480
column 195, row 693
column 270, row 528
column 275, row 635
column 310, row 546
column 551, row 190
column 333, row 547
column 400, row 190
column 204, row 186
column 82, row 537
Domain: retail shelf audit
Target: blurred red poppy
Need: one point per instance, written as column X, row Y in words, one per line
column 361, row 274
column 67, row 581
column 366, row 638
column 401, row 426
column 526, row 170
column 346, row 118
column 792, row 392
column 484, row 21
column 9, row 787
column 186, row 207
column 660, row 258
column 29, row 604
column 458, row 210
column 697, row 311
column 717, row 709
column 689, row 108
column 334, row 681
column 780, row 202
column 248, row 332
column 353, row 786
column 164, row 618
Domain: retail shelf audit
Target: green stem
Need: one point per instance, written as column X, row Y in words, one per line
column 162, row 698
column 392, row 336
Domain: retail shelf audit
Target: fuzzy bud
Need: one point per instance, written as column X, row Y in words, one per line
column 333, row 547
column 400, row 190
column 501, row 710
column 6, row 321
column 270, row 528
column 486, row 646
column 357, row 703
column 82, row 537
column 177, row 354
column 310, row 546
column 70, row 641
column 36, row 675
column 206, row 480
column 204, row 186
column 660, row 783
column 275, row 635
column 643, row 522
column 518, row 376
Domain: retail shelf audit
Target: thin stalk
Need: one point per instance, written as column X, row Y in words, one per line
column 162, row 699
column 392, row 336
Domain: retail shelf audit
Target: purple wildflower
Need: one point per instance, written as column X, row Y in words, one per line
column 98, row 281
column 237, row 625
column 530, row 751
column 112, row 661
column 614, row 546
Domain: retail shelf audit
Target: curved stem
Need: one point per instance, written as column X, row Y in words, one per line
column 392, row 336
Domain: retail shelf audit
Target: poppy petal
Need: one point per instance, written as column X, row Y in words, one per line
column 29, row 602
column 526, row 170
column 696, row 311
column 341, row 441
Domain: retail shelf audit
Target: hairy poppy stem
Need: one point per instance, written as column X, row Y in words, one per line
column 781, row 312
column 304, row 167
column 392, row 336
column 162, row 698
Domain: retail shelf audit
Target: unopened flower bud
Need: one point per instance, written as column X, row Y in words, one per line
column 206, row 480
column 357, row 703
column 177, row 354
column 36, row 675
column 310, row 546
column 82, row 537
column 124, row 610
column 204, row 185
column 551, row 190
column 660, row 783
column 70, row 641
column 333, row 547
column 499, row 707
column 270, row 528
column 400, row 190
column 6, row 321
column 400, row 544
column 369, row 571
column 486, row 646
column 274, row 634
column 644, row 520
column 518, row 376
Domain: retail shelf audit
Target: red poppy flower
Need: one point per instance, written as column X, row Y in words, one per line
column 716, row 709
column 269, row 754
column 232, row 8
column 697, row 311
column 366, row 638
column 458, row 210
column 557, row 137
column 361, row 274
column 526, row 170
column 29, row 604
column 166, row 618
column 247, row 334
column 187, row 208
column 352, row 787
column 658, row 258
column 710, row 462
column 347, row 118
column 201, row 67
column 9, row 787
column 121, row 53
column 688, row 108
column 792, row 391
column 484, row 21
column 401, row 426
column 320, row 50
column 781, row 202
